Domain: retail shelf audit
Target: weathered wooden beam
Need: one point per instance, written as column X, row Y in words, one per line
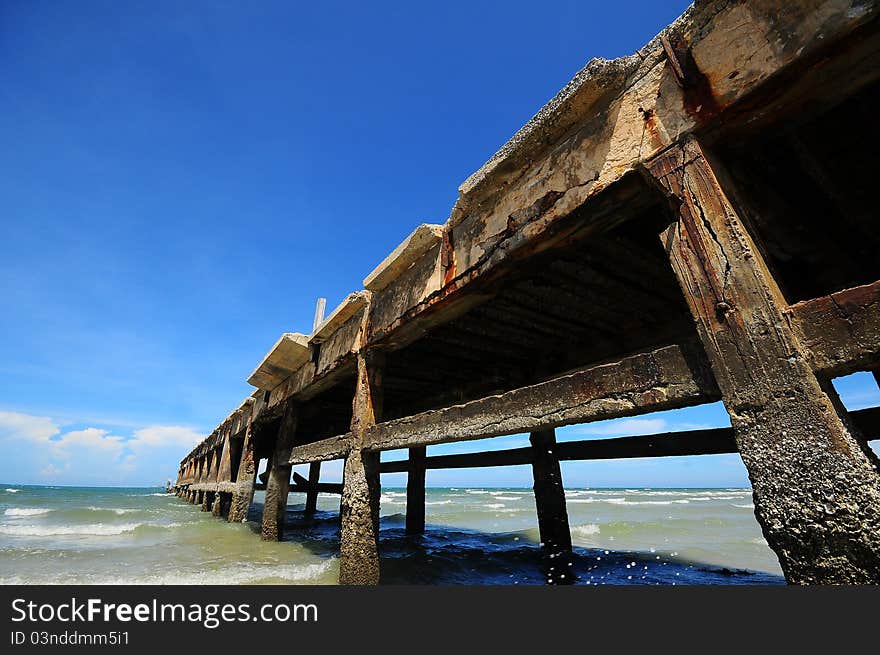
column 712, row 441
column 666, row 378
column 551, row 508
column 314, row 484
column 816, row 490
column 278, row 483
column 306, row 486
column 509, row 457
column 415, row 491
column 840, row 332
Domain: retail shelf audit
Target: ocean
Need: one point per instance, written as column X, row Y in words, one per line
column 74, row 535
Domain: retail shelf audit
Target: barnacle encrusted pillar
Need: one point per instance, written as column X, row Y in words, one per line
column 243, row 496
column 816, row 490
column 207, row 500
column 551, row 508
column 278, row 482
column 359, row 548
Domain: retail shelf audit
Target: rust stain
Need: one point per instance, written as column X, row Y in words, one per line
column 651, row 130
column 447, row 257
column 699, row 99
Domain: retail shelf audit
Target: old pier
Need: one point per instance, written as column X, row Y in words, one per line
column 693, row 223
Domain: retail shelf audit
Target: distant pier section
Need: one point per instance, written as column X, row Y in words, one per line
column 692, row 223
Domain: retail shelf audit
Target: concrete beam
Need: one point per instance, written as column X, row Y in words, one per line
column 289, row 353
column 666, row 378
column 422, row 239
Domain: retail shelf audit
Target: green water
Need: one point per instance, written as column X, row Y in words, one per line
column 474, row 536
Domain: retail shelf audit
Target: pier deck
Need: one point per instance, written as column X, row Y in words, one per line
column 692, row 223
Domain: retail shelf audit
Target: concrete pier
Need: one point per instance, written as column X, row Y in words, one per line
column 691, row 224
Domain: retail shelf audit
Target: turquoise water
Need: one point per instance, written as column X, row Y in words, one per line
column 474, row 536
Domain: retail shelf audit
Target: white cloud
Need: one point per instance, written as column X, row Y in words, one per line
column 165, row 435
column 90, row 455
column 24, row 426
column 89, row 439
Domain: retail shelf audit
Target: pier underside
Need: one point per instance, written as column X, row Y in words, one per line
column 691, row 224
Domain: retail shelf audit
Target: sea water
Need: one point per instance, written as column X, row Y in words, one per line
column 473, row 536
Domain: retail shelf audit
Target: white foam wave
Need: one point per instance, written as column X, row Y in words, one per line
column 13, row 491
column 507, row 497
column 237, row 575
column 747, row 506
column 438, row 502
column 27, row 511
column 585, row 530
column 624, row 501
column 494, row 506
column 115, row 510
column 84, row 530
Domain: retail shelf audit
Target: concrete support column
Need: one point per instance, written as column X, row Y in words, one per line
column 224, row 470
column 415, row 491
column 278, row 481
column 816, row 490
column 215, row 505
column 551, row 507
column 312, row 493
column 246, row 478
column 359, row 547
column 207, row 501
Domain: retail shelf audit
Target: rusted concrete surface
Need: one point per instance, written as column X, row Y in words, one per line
column 547, row 299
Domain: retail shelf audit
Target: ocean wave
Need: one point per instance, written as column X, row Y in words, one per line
column 494, row 506
column 438, row 502
column 13, row 491
column 85, row 530
column 232, row 575
column 585, row 530
column 508, row 497
column 115, row 510
column 748, row 506
column 27, row 511
column 390, row 500
column 624, row 501
column 479, row 492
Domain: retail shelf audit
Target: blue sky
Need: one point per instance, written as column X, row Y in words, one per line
column 181, row 181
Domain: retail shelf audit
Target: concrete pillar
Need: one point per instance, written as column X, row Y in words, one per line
column 415, row 491
column 245, row 480
column 312, row 493
column 278, row 481
column 359, row 543
column 816, row 491
column 224, row 470
column 551, row 508
column 207, row 501
column 215, row 505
